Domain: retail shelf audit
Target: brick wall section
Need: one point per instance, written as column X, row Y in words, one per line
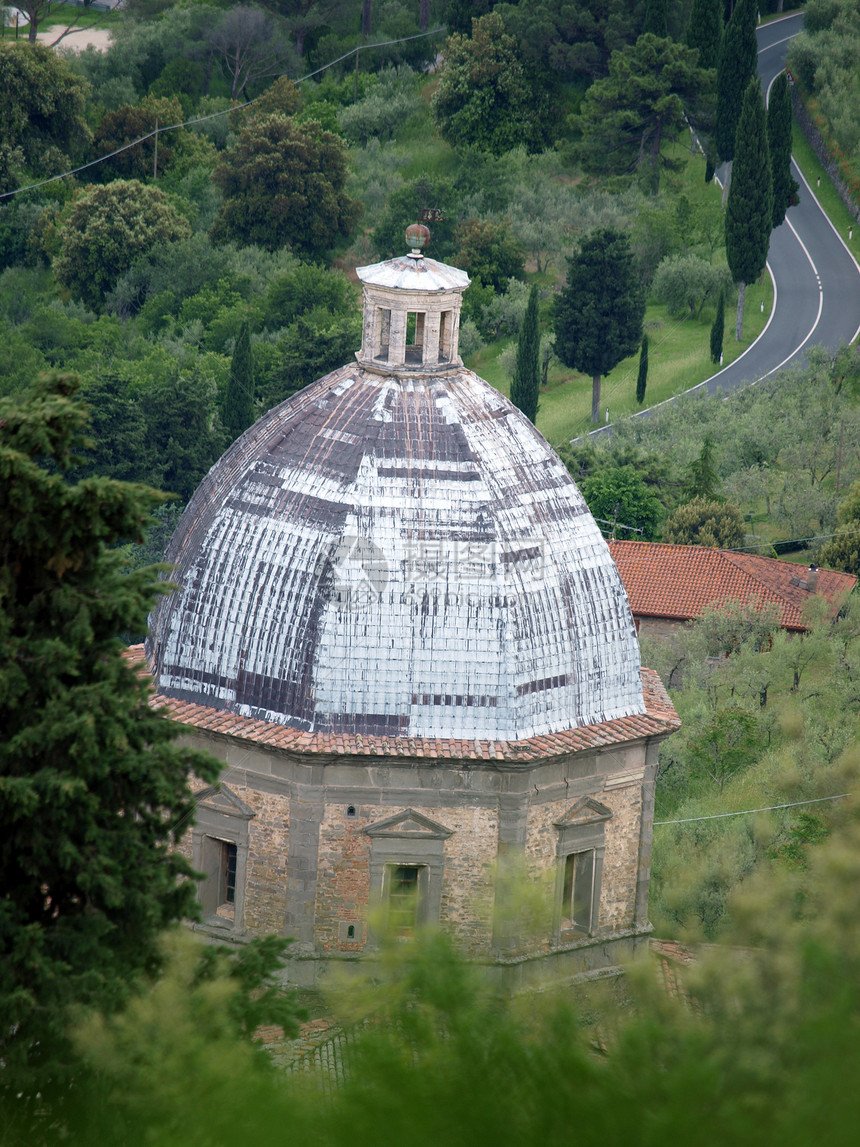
column 469, row 877
column 621, row 857
column 268, row 833
column 343, row 876
column 659, row 628
column 343, row 881
column 620, row 861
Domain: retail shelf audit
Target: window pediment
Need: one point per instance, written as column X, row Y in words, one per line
column 586, row 811
column 409, row 825
column 222, row 799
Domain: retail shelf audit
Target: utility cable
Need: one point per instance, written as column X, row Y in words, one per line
column 750, row 811
column 212, row 115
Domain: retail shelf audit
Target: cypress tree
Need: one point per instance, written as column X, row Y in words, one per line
column 705, row 31
column 525, row 386
column 779, row 143
column 239, row 396
column 656, row 18
column 599, row 311
column 749, row 211
column 717, row 329
column 737, row 66
column 642, row 378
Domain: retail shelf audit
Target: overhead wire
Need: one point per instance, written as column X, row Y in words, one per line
column 752, row 811
column 212, row 115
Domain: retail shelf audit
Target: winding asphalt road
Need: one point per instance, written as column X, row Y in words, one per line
column 816, row 280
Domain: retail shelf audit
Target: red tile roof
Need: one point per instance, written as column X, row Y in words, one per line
column 679, row 582
column 659, row 720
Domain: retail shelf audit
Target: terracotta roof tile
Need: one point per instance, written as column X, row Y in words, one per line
column 680, row 582
column 659, row 720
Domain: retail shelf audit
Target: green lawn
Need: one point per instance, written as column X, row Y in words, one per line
column 679, row 351
column 678, row 358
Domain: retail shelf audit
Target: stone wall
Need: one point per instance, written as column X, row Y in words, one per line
column 621, row 856
column 620, row 862
column 816, row 142
column 343, row 877
column 323, row 833
column 266, row 883
column 343, row 894
column 469, row 878
column 659, row 628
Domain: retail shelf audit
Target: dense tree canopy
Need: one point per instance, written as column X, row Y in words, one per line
column 623, row 503
column 779, row 120
column 122, row 127
column 705, row 31
column 703, row 522
column 239, row 409
column 42, row 112
column 599, row 312
column 525, row 385
column 484, row 98
column 489, row 252
column 249, row 47
column 93, row 793
column 284, row 185
column 108, row 228
column 842, row 551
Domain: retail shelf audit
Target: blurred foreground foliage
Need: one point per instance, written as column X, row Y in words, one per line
column 757, row 1044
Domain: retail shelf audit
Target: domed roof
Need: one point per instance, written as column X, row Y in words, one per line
column 396, row 551
column 396, row 555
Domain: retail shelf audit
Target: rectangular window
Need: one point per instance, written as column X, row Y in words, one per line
column 403, row 898
column 228, row 872
column 218, row 889
column 578, row 893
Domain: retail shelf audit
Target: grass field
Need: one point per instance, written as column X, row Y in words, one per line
column 679, row 351
column 678, row 358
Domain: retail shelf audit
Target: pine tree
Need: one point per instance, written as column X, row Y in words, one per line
column 93, row 793
column 779, row 143
column 737, row 66
column 718, row 329
column 599, row 311
column 525, row 386
column 705, row 31
column 642, row 377
column 749, row 211
column 238, row 411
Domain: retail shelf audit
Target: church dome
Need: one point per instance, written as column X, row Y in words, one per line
column 396, row 551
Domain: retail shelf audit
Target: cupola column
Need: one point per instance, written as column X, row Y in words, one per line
column 397, row 345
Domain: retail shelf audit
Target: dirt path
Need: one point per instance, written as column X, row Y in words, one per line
column 78, row 38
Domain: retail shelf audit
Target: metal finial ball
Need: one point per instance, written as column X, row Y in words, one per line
column 417, row 236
